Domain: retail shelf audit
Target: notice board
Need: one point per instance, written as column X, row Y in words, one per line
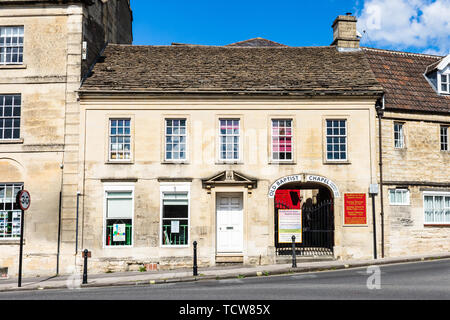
column 289, row 224
column 355, row 209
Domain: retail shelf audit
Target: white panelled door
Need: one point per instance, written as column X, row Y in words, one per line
column 230, row 222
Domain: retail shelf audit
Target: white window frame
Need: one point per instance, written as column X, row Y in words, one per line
column 123, row 136
column 401, row 190
column 185, row 159
column 401, row 134
column 285, row 136
column 435, row 194
column 13, row 185
column 117, row 187
column 170, row 188
column 19, row 46
column 12, row 117
column 447, row 83
column 332, row 136
column 444, row 134
column 239, row 159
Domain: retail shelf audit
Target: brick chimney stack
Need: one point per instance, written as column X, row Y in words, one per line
column 345, row 36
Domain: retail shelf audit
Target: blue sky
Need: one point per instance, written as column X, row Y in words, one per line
column 409, row 25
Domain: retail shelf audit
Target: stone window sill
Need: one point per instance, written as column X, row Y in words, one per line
column 437, row 225
column 347, row 162
column 119, row 162
column 13, row 66
column 175, row 162
column 11, row 242
column 12, row 141
column 220, row 162
column 282, row 162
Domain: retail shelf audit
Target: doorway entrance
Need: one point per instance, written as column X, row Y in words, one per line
column 230, row 223
column 314, row 204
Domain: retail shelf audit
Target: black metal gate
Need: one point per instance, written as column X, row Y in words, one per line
column 318, row 230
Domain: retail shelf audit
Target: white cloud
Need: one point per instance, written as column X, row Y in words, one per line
column 400, row 24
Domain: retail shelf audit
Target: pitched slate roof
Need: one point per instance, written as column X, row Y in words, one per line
column 232, row 69
column 402, row 77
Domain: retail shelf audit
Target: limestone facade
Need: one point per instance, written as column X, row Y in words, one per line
column 423, row 169
column 147, row 173
column 45, row 156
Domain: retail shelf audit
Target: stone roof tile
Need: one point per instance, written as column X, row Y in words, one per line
column 253, row 70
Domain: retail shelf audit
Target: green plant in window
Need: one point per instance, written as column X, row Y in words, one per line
column 142, row 269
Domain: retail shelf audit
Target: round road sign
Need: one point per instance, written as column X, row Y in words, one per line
column 24, row 200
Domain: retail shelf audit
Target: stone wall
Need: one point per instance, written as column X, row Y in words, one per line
column 421, row 167
column 47, row 81
column 148, row 168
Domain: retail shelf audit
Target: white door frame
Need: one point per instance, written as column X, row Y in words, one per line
column 241, row 196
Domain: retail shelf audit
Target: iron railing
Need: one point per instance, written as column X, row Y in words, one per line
column 317, row 230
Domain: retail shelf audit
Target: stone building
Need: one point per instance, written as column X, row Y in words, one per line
column 46, row 48
column 415, row 151
column 228, row 146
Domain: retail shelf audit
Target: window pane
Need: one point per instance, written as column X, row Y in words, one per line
column 11, row 45
column 336, row 140
column 175, row 232
column 10, row 215
column 119, row 232
column 10, row 116
column 282, row 139
column 175, row 219
column 119, row 205
column 229, row 139
column 120, row 139
column 175, row 139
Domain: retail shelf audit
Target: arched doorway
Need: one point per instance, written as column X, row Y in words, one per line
column 314, row 202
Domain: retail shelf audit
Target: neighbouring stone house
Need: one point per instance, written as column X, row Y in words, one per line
column 46, row 48
column 415, row 150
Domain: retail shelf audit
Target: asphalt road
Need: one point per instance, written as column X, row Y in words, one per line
column 409, row 281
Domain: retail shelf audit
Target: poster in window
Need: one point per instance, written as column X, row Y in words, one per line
column 175, row 226
column 119, row 232
column 355, row 209
column 289, row 224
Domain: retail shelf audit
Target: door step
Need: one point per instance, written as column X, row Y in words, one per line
column 229, row 259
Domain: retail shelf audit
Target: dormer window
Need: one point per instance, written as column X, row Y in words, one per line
column 445, row 83
column 438, row 74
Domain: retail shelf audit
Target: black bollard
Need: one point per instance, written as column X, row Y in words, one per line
column 195, row 271
column 294, row 258
column 85, row 256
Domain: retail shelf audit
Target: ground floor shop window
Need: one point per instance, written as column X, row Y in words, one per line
column 175, row 219
column 10, row 213
column 437, row 208
column 119, row 218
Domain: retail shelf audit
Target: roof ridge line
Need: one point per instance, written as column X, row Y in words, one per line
column 216, row 46
column 403, row 53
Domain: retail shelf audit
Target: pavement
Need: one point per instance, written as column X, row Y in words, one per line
column 212, row 273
